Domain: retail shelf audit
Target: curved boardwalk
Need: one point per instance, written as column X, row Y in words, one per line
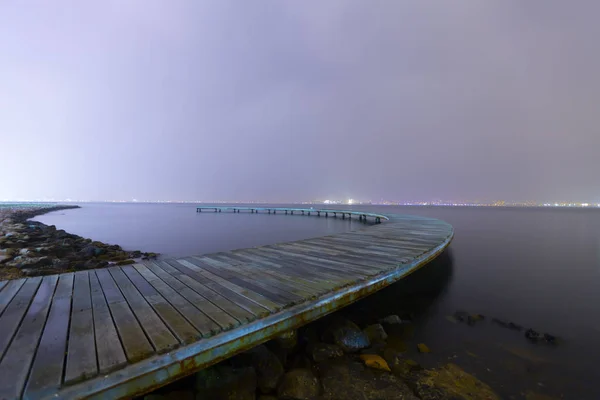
column 121, row 331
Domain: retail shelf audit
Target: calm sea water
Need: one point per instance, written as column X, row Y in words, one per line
column 537, row 267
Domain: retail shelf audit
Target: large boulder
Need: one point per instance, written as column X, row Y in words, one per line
column 299, row 384
column 269, row 369
column 376, row 333
column 324, row 351
column 343, row 378
column 347, row 335
column 225, row 382
column 451, row 382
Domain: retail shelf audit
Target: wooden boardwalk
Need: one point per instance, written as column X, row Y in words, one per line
column 121, row 331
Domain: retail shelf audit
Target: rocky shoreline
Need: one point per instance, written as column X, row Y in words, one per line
column 30, row 248
column 330, row 359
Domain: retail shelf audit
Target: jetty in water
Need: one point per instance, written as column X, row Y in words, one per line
column 118, row 332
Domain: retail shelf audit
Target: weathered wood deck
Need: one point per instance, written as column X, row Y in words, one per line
column 121, row 331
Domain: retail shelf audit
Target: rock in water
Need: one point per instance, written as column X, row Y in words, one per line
column 473, row 318
column 268, row 368
column 347, row 335
column 288, row 340
column 375, row 361
column 344, row 378
column 391, row 320
column 323, row 351
column 532, row 335
column 451, row 382
column 224, row 382
column 376, row 333
column 550, row 338
column 423, row 348
column 299, row 384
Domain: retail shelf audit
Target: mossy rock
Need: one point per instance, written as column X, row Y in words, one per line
column 455, row 383
column 126, row 262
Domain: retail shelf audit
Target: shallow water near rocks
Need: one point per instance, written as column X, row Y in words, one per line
column 539, row 268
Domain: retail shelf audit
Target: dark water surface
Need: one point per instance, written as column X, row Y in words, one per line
column 539, row 268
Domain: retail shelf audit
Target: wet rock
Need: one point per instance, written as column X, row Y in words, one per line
column 344, row 378
column 135, row 254
column 473, row 318
column 451, row 382
column 224, row 382
column 515, row 327
column 532, row 335
column 461, row 316
column 422, row 347
column 375, row 361
column 299, row 384
column 550, row 338
column 401, row 367
column 391, row 320
column 347, row 335
column 33, row 262
column 149, row 256
column 288, row 340
column 92, row 251
column 507, row 324
column 500, row 322
column 375, row 333
column 267, row 366
column 300, row 361
column 324, row 351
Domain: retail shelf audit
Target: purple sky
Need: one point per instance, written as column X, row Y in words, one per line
column 289, row 101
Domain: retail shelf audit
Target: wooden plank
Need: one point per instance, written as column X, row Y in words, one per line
column 262, row 285
column 236, row 298
column 109, row 350
column 48, row 365
column 2, row 284
column 375, row 241
column 323, row 261
column 369, row 263
column 160, row 336
column 373, row 262
column 81, row 350
column 310, row 288
column 223, row 307
column 14, row 312
column 260, row 297
column 14, row 367
column 322, row 270
column 319, row 285
column 6, row 295
column 197, row 318
column 135, row 342
column 364, row 253
column 258, row 273
column 177, row 323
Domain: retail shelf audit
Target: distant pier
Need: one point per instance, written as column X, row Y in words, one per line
column 362, row 216
column 119, row 332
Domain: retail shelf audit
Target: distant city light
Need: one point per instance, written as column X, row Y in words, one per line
column 350, row 201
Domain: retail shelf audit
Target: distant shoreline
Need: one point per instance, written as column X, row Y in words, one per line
column 589, row 206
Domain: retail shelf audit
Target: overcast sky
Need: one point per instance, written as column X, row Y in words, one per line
column 281, row 101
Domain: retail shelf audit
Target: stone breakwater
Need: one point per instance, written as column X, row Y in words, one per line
column 330, row 359
column 29, row 248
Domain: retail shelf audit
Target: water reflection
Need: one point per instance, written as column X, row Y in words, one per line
column 412, row 297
